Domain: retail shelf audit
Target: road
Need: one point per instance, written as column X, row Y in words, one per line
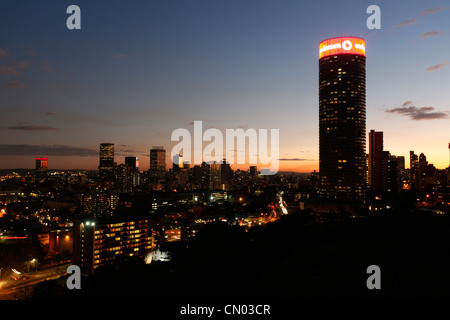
column 19, row 289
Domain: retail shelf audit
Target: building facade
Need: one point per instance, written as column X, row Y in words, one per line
column 99, row 242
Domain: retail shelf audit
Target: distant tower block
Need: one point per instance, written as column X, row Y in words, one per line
column 157, row 159
column 448, row 170
column 106, row 165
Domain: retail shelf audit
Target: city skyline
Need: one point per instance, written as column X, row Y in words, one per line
column 161, row 151
column 157, row 67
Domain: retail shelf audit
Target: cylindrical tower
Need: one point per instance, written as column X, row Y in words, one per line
column 342, row 118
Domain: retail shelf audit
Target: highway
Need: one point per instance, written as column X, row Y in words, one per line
column 21, row 289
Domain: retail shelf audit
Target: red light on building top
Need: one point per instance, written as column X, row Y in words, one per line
column 41, row 164
column 342, row 45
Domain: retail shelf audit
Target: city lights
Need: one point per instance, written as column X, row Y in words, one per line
column 189, row 154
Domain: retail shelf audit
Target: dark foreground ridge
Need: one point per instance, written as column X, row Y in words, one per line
column 287, row 259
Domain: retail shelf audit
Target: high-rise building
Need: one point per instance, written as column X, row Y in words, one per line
column 206, row 175
column 41, row 168
column 401, row 169
column 127, row 176
column 177, row 163
column 342, row 118
column 41, row 164
column 375, row 147
column 123, row 178
column 378, row 163
column 426, row 173
column 99, row 203
column 106, row 165
column 132, row 162
column 100, row 241
column 253, row 171
column 215, row 175
column 197, row 174
column 393, row 172
column 157, row 159
column 413, row 169
column 448, row 169
column 226, row 173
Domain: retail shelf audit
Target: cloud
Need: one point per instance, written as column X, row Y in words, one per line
column 8, row 71
column 423, row 113
column 31, row 127
column 4, row 53
column 127, row 152
column 407, row 103
column 50, row 113
column 430, row 34
column 11, row 67
column 438, row 66
column 405, row 23
column 124, row 150
column 20, row 65
column 46, row 66
column 121, row 56
column 48, row 150
column 10, row 110
column 429, row 11
column 10, row 85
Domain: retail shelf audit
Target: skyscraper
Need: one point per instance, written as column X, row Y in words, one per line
column 393, row 174
column 378, row 162
column 253, row 171
column 413, row 169
column 342, row 118
column 157, row 159
column 448, row 170
column 177, row 163
column 215, row 175
column 385, row 170
column 132, row 162
column 226, row 173
column 41, row 164
column 132, row 170
column 41, row 168
column 375, row 146
column 426, row 173
column 106, row 165
column 206, row 175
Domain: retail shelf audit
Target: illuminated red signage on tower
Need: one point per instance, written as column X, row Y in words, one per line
column 342, row 45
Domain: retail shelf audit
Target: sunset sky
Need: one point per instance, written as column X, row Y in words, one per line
column 138, row 70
